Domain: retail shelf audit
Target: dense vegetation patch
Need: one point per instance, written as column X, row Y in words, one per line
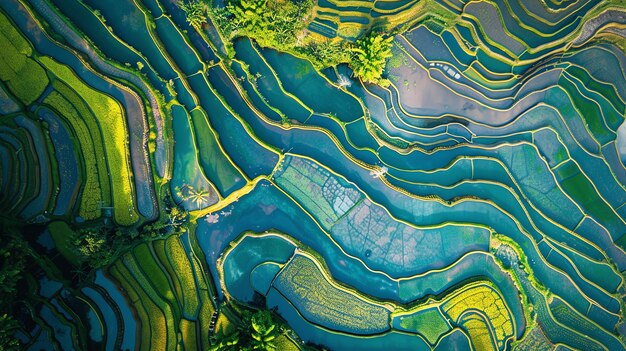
column 14, row 253
column 282, row 25
column 370, row 56
column 256, row 331
column 95, row 247
column 467, row 167
column 24, row 77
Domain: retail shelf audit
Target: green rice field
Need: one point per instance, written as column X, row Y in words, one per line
column 302, row 175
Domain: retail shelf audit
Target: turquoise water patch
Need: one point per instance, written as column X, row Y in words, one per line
column 246, row 256
column 262, row 276
column 190, row 186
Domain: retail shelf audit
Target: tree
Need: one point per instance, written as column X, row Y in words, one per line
column 8, row 327
column 199, row 196
column 327, row 53
column 279, row 24
column 250, row 14
column 369, row 58
column 92, row 246
column 98, row 246
column 12, row 262
column 276, row 24
column 195, row 11
column 226, row 342
column 255, row 332
column 14, row 253
column 177, row 217
column 263, row 331
column 188, row 192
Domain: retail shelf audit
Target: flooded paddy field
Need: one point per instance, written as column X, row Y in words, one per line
column 164, row 176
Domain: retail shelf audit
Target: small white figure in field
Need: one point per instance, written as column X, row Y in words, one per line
column 212, row 218
column 377, row 173
column 343, row 81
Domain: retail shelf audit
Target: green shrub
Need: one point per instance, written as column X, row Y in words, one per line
column 8, row 328
column 195, row 11
column 369, row 58
column 280, row 25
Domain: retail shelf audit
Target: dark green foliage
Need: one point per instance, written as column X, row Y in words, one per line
column 228, row 342
column 370, row 55
column 97, row 247
column 63, row 236
column 14, row 252
column 255, row 332
column 250, row 15
column 8, row 327
column 263, row 331
column 172, row 223
column 12, row 263
column 326, row 54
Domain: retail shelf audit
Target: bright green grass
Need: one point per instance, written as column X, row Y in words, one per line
column 87, row 118
column 429, row 323
column 283, row 343
column 184, row 272
column 188, row 334
column 177, row 287
column 302, row 282
column 162, row 320
column 112, row 124
column 24, row 77
column 90, row 200
column 134, row 292
column 160, row 278
column 153, row 272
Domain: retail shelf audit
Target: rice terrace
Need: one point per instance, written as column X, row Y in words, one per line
column 309, row 175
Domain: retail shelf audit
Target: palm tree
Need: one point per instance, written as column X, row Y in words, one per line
column 263, row 337
column 199, row 196
column 263, row 331
column 194, row 10
column 226, row 342
column 254, row 332
column 343, row 81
